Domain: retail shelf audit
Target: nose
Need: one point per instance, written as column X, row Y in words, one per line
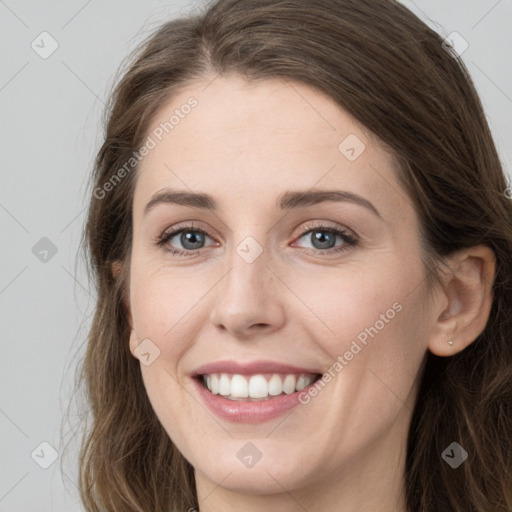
column 249, row 299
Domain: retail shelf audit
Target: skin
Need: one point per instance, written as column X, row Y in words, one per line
column 245, row 144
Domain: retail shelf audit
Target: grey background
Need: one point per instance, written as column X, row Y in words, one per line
column 50, row 131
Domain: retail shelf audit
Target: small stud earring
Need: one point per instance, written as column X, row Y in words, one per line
column 450, row 342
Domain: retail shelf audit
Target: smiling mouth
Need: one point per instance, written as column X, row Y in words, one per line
column 257, row 387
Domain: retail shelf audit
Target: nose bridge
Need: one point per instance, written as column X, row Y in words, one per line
column 248, row 277
column 248, row 295
column 249, row 253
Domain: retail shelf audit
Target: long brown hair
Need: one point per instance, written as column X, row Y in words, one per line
column 392, row 73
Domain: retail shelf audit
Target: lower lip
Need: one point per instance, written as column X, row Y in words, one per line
column 248, row 412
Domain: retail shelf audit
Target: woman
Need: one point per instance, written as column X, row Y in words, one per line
column 301, row 240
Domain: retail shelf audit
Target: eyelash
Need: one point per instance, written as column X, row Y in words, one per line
column 349, row 240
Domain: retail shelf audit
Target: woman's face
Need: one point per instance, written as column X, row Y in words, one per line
column 272, row 292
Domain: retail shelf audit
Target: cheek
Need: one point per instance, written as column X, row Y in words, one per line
column 369, row 321
column 165, row 317
column 164, row 308
column 360, row 302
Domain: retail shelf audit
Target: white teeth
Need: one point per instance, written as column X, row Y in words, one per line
column 289, row 384
column 214, row 384
column 302, row 382
column 256, row 386
column 275, row 386
column 224, row 385
column 239, row 387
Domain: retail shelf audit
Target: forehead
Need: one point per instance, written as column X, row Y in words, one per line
column 251, row 141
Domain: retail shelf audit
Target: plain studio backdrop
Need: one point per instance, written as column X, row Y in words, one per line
column 57, row 65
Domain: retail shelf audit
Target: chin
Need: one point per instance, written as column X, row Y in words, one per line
column 261, row 481
column 272, row 473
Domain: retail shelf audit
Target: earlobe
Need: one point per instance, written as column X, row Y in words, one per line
column 467, row 293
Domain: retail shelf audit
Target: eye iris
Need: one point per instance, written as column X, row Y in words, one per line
column 191, row 237
column 319, row 237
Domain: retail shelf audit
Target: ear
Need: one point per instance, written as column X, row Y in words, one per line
column 467, row 294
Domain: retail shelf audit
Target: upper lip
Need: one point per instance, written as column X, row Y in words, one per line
column 250, row 368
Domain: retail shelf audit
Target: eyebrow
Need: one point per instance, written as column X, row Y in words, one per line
column 286, row 201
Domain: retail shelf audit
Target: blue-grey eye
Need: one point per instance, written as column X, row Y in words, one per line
column 191, row 239
column 322, row 239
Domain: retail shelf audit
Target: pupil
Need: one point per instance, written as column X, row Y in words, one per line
column 321, row 239
column 192, row 238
